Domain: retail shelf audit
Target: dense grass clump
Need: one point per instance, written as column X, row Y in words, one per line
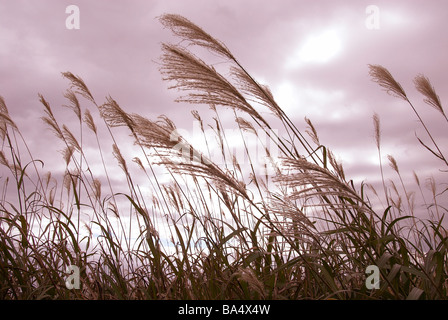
column 216, row 226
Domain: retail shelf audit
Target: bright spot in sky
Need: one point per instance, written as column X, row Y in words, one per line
column 318, row 48
column 310, row 101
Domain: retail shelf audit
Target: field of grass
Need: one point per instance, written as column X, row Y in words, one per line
column 216, row 226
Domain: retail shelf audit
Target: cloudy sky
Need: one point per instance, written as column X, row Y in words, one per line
column 313, row 55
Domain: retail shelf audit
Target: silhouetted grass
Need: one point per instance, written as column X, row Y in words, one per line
column 294, row 227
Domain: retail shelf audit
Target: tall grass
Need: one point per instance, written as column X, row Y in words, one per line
column 222, row 227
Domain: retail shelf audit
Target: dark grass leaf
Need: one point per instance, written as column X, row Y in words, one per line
column 415, row 294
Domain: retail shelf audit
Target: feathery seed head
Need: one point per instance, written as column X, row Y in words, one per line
column 393, row 163
column 75, row 106
column 188, row 31
column 79, row 85
column 88, row 119
column 384, row 78
column 377, row 129
column 114, row 115
column 424, row 86
column 206, row 85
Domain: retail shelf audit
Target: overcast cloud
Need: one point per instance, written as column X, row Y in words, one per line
column 312, row 54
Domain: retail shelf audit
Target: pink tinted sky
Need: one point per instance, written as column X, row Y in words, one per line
column 312, row 54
